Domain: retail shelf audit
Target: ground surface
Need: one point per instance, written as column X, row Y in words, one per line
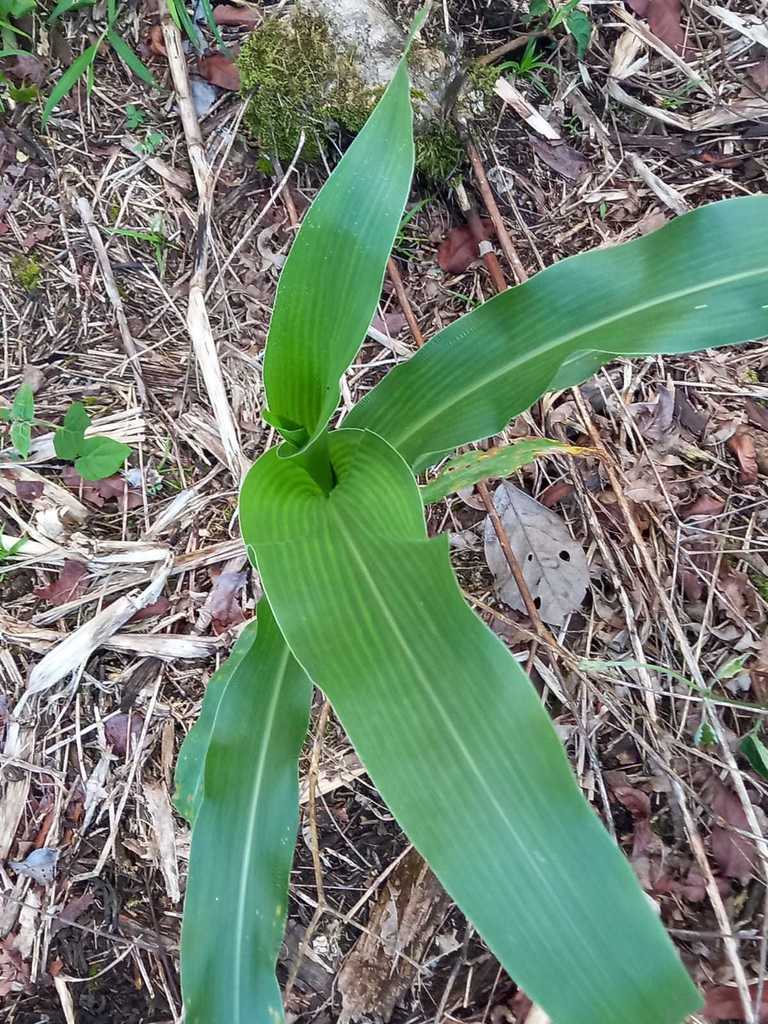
column 88, row 773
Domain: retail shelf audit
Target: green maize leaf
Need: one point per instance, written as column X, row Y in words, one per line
column 700, row 281
column 101, row 457
column 130, row 58
column 472, row 467
column 76, row 69
column 454, row 735
column 69, row 438
column 244, row 832
column 191, row 760
column 332, row 278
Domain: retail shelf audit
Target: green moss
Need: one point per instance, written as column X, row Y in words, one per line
column 26, row 272
column 439, row 152
column 482, row 78
column 296, row 78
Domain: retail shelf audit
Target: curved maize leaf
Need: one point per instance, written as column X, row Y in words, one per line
column 454, row 735
column 244, row 831
column 698, row 282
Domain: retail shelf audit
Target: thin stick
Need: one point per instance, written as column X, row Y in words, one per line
column 518, row 270
column 86, row 215
column 510, row 46
column 484, row 247
column 405, row 305
column 198, row 323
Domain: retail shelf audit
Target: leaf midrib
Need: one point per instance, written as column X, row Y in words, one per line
column 245, row 872
column 416, row 425
column 345, row 535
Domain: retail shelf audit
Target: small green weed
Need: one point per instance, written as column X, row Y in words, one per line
column 134, row 117
column 153, row 236
column 94, row 457
column 26, row 272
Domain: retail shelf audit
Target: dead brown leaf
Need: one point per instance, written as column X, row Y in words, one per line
column 705, row 505
column 14, row 971
column 651, row 221
column 724, row 1003
column 220, row 70
column 223, row 602
column 757, row 414
column 156, row 43
column 759, row 76
column 26, row 68
column 98, row 492
column 664, row 20
column 71, row 583
column 742, row 444
column 116, row 732
column 458, row 250
column 29, row 490
column 733, row 851
column 562, row 158
column 654, row 419
column 227, row 14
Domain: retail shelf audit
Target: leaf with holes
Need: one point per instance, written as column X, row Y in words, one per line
column 553, row 563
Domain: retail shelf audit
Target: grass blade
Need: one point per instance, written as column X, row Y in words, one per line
column 472, row 467
column 699, row 282
column 454, row 735
column 131, row 59
column 244, row 832
column 68, row 80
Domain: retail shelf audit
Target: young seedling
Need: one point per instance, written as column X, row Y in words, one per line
column 94, row 457
column 360, row 601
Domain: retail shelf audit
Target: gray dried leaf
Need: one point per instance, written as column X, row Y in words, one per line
column 39, row 865
column 553, row 563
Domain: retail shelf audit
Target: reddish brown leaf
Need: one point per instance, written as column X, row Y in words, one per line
column 226, row 14
column 556, row 493
column 704, row 505
column 159, row 607
column 724, row 1003
column 156, row 43
column 220, row 70
column 734, row 852
column 742, row 444
column 70, row 584
column 116, row 732
column 29, row 490
column 663, row 20
column 223, row 604
column 458, row 250
column 100, row 491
